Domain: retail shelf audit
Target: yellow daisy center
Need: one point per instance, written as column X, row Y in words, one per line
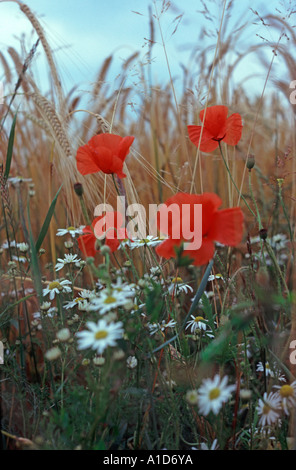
column 70, row 229
column 109, row 300
column 101, row 334
column 214, row 393
column 286, row 391
column 54, row 285
column 78, row 299
column 266, row 409
column 177, row 279
column 197, row 319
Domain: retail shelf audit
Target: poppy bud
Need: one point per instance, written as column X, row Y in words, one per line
column 250, row 161
column 263, row 233
column 78, row 188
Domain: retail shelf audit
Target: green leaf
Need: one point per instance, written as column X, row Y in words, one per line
column 10, row 148
column 46, row 223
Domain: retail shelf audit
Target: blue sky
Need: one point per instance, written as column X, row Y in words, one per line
column 84, row 32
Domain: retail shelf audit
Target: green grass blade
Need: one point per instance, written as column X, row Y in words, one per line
column 46, row 223
column 10, row 148
column 34, row 260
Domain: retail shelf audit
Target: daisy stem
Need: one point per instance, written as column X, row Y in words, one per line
column 228, row 170
column 254, row 202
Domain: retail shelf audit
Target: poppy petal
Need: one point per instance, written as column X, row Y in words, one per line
column 124, row 147
column 215, row 120
column 85, row 161
column 233, row 129
column 108, row 162
column 110, row 141
column 227, row 226
column 207, row 144
column 203, row 255
column 167, row 248
column 86, row 244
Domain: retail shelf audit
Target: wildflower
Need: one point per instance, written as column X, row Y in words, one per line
column 217, row 128
column 23, row 247
column 225, row 226
column 100, row 335
column 177, row 286
column 192, row 397
column 53, row 354
column 271, row 372
column 57, row 287
column 155, row 327
column 287, row 394
column 99, row 361
column 104, row 152
column 69, row 231
column 5, row 245
column 212, row 277
column 63, row 334
column 20, row 259
column 107, row 300
column 67, row 260
column 213, row 393
column 131, row 362
column 108, row 226
column 45, row 306
column 15, row 180
column 148, row 241
column 269, row 408
column 197, row 323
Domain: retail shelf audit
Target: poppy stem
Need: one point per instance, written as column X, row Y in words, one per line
column 228, row 170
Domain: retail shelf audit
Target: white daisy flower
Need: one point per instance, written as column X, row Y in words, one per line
column 23, row 247
column 5, row 245
column 269, row 371
column 213, row 393
column 279, row 241
column 148, row 241
column 155, row 327
column 123, row 288
column 69, row 231
column 197, row 323
column 212, row 277
column 107, row 301
column 132, row 362
column 20, row 258
column 269, row 408
column 100, row 335
column 177, row 286
column 287, row 394
column 68, row 259
column 57, row 287
column 18, row 179
column 72, row 303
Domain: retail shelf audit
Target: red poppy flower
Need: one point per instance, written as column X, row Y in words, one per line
column 104, row 152
column 108, row 227
column 217, row 127
column 224, row 226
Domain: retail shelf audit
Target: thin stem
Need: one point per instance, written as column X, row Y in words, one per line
column 228, row 170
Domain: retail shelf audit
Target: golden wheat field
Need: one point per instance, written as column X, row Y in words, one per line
column 147, row 231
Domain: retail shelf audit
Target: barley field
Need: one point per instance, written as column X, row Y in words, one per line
column 147, row 238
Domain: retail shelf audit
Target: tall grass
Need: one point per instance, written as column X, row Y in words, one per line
column 54, row 396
